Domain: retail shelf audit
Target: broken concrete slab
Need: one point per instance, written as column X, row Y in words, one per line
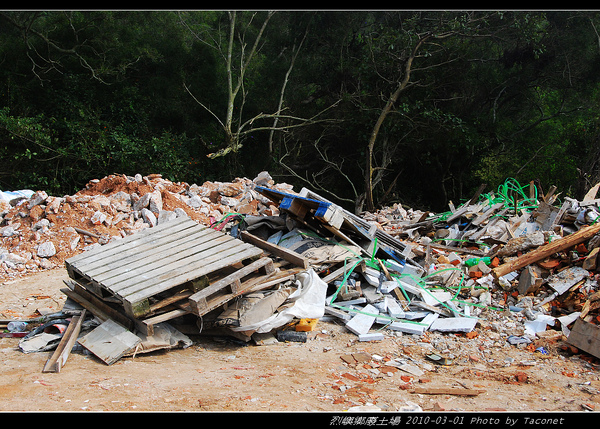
column 407, row 367
column 564, row 280
column 335, row 312
column 361, row 323
column 529, row 280
column 394, row 309
column 371, row 336
column 454, row 324
column 436, row 297
column 414, row 328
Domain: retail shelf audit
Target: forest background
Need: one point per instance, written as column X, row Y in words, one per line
column 367, row 108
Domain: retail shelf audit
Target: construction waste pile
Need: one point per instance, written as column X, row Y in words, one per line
column 151, row 262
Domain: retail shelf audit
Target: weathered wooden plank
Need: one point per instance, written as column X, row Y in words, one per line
column 547, row 198
column 110, row 341
column 458, row 213
column 477, row 193
column 486, row 214
column 94, row 305
column 483, row 230
column 131, row 239
column 560, row 214
column 147, row 325
column 176, row 297
column 62, row 352
column 133, row 273
column 151, row 247
column 134, row 268
column 447, row 391
column 195, row 270
column 585, row 336
column 99, row 256
column 200, row 300
column 194, row 263
column 276, row 250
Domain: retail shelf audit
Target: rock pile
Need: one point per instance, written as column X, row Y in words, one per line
column 40, row 232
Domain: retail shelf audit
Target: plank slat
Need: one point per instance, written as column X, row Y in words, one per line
column 200, row 269
column 128, row 267
column 126, row 241
column 135, row 251
column 227, row 288
column 147, row 275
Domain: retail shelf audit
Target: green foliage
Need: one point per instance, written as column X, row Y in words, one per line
column 84, row 94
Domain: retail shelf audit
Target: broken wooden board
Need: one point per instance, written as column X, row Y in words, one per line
column 58, row 359
column 102, row 310
column 110, row 341
column 591, row 194
column 157, row 260
column 585, row 336
column 105, row 311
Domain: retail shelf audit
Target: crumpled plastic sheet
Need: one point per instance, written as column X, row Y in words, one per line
column 308, row 302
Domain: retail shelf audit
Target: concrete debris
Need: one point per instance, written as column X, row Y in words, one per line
column 506, row 255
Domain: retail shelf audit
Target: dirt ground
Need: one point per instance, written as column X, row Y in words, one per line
column 220, row 374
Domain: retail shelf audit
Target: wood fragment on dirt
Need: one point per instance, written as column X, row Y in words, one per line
column 447, row 391
column 59, row 358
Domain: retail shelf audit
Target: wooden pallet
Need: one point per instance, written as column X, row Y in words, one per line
column 157, row 260
column 256, row 276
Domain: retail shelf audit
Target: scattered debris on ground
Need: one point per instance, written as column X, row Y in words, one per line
column 152, row 262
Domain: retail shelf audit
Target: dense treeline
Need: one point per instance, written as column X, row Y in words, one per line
column 365, row 107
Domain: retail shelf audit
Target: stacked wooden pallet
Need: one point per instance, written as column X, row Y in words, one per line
column 164, row 272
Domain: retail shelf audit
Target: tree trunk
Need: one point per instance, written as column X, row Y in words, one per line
column 370, row 204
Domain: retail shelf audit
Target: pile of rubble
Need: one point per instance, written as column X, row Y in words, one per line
column 40, row 232
column 505, row 254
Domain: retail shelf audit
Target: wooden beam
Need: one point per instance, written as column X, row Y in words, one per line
column 274, row 249
column 547, row 249
column 475, row 197
column 94, row 305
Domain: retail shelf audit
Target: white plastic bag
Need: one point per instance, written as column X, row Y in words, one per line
column 308, row 301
